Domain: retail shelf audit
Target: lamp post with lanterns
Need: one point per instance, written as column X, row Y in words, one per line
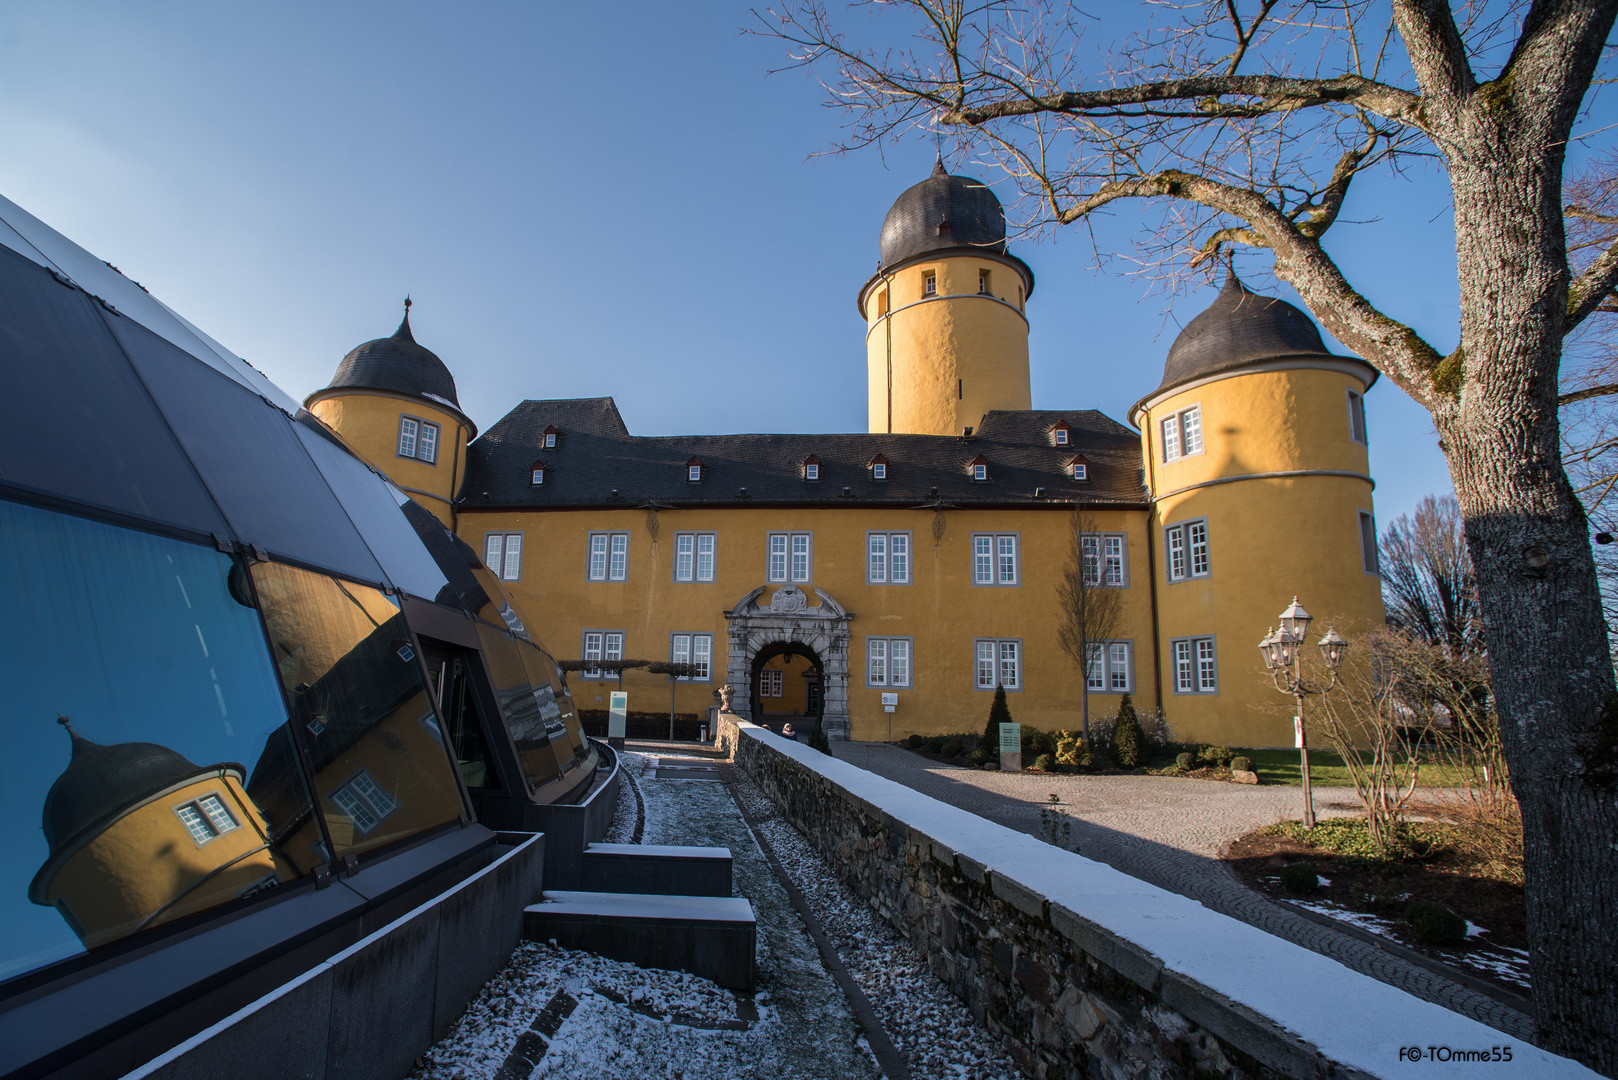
column 1282, row 650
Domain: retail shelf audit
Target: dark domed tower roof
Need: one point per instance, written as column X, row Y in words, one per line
column 1241, row 328
column 943, row 212
column 101, row 782
column 398, row 364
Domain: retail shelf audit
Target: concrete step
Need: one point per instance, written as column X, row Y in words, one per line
column 662, row 869
column 711, row 936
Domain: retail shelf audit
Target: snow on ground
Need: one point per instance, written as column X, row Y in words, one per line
column 926, row 1022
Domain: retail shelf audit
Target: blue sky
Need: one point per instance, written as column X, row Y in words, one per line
column 581, row 199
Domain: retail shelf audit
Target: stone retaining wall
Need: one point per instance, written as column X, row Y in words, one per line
column 1085, row 971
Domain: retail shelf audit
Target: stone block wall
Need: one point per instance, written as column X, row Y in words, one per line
column 1040, row 944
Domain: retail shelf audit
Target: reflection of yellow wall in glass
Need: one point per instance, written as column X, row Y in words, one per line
column 141, row 837
column 794, row 688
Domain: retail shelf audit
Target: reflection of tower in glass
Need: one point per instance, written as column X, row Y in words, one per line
column 139, row 836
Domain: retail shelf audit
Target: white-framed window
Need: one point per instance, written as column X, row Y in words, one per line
column 206, row 818
column 550, row 438
column 994, row 559
column 887, row 661
column 609, row 556
column 1186, row 547
column 811, row 470
column 887, row 558
column 772, row 682
column 1111, row 667
column 1196, row 667
column 879, row 470
column 1059, row 436
column 601, row 645
column 1368, row 553
column 693, row 649
column 789, row 556
column 1356, row 418
column 1182, row 434
column 980, row 472
column 1078, row 470
column 537, row 476
column 418, row 439
column 502, row 554
column 983, row 283
column 997, row 662
column 364, row 801
column 694, row 556
column 929, row 285
column 1105, row 563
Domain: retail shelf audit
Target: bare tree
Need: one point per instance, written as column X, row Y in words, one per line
column 1428, row 588
column 1089, row 602
column 1250, row 122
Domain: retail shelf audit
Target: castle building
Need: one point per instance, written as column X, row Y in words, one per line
column 887, row 582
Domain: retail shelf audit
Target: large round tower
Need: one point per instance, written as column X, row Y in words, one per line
column 1255, row 453
column 946, row 337
column 394, row 401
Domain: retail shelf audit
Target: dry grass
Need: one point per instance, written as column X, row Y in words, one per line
column 1484, row 839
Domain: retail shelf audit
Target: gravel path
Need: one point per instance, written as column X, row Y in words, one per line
column 1169, row 832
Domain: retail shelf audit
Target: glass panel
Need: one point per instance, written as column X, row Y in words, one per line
column 1008, row 560
column 982, row 560
column 1193, row 430
column 986, row 664
column 598, row 557
column 899, row 569
column 705, row 553
column 163, row 675
column 800, row 558
column 96, row 277
column 1171, row 438
column 877, row 648
column 778, row 558
column 365, row 712
column 555, row 705
column 1089, row 547
column 82, row 427
column 520, row 703
column 372, row 509
column 513, row 569
column 900, row 661
column 452, row 555
column 250, row 458
column 448, row 673
column 427, row 449
column 407, row 437
column 684, row 556
column 618, row 568
column 1008, row 664
column 879, row 557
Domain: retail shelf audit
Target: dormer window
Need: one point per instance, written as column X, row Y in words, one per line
column 536, row 474
column 693, row 471
column 1078, row 468
column 1059, row 433
column 943, row 228
column 879, row 467
column 980, row 468
column 550, row 437
column 929, row 285
column 811, row 468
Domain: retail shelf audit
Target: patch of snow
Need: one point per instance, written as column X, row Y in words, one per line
column 1474, row 930
column 1374, row 924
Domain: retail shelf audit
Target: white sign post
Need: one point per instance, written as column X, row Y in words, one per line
column 617, row 718
column 890, row 702
column 1011, row 748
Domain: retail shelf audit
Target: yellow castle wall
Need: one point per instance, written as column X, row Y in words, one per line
column 954, row 356
column 369, row 421
column 1269, row 537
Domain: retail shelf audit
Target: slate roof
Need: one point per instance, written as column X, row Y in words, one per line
column 397, row 363
column 1240, row 328
column 968, row 211
column 595, row 454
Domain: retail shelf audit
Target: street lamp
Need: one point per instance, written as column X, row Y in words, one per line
column 1282, row 650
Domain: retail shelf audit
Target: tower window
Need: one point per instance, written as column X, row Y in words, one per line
column 1196, row 669
column 364, row 801
column 418, row 439
column 1368, row 544
column 960, row 389
column 1186, row 547
column 1356, row 418
column 983, row 283
column 206, row 818
column 929, row 285
column 881, row 303
column 1182, row 434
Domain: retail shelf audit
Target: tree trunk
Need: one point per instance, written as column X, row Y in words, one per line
column 1547, row 642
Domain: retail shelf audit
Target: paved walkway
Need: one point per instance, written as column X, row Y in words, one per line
column 1169, row 832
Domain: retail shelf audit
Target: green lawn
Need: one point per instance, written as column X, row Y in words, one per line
column 1326, row 769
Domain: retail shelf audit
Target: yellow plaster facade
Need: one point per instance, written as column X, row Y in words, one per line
column 370, row 420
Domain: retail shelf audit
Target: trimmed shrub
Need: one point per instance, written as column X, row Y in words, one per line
column 1434, row 923
column 999, row 713
column 979, row 756
column 952, row 748
column 1036, row 743
column 1128, row 744
column 1184, row 761
column 1070, row 750
column 915, row 742
column 1045, row 763
column 819, row 741
column 1241, row 764
column 935, row 745
column 1215, row 755
column 1299, row 877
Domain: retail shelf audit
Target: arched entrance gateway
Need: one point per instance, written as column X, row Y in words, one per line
column 788, row 625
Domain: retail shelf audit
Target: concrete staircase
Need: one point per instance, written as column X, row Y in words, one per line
column 658, row 906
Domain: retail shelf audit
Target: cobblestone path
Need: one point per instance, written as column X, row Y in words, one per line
column 1169, row 832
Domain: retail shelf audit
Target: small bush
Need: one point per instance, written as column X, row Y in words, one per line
column 819, row 741
column 1184, row 761
column 935, row 745
column 1299, row 877
column 1128, row 744
column 999, row 713
column 915, row 742
column 979, row 756
column 1070, row 750
column 1215, row 755
column 1241, row 764
column 1045, row 763
column 1434, row 923
column 952, row 748
column 1036, row 743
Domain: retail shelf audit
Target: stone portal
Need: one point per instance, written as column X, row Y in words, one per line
column 788, row 618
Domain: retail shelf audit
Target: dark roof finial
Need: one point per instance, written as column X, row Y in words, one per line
column 403, row 333
column 938, row 166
